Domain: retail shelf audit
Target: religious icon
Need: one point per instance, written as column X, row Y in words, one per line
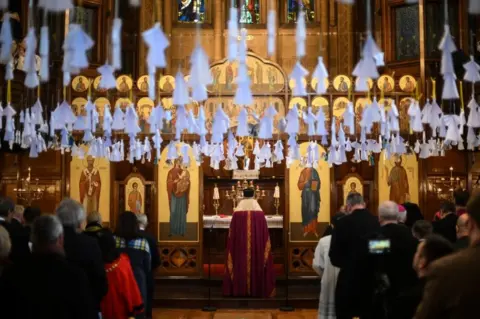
column 352, row 186
column 124, row 83
column 96, row 84
column 216, row 72
column 191, row 11
column 167, row 83
column 339, row 107
column 78, row 106
column 100, row 104
column 386, row 83
column 320, row 101
column 300, row 102
column 308, row 7
column 123, row 103
column 229, row 75
column 90, row 186
column 314, row 82
column 258, row 72
column 397, row 179
column 135, row 192
column 272, row 77
column 178, row 188
column 407, row 83
column 144, row 108
column 342, row 83
column 369, row 82
column 309, row 185
column 80, row 84
column 359, row 107
column 142, row 83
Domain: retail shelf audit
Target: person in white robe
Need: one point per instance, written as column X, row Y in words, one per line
column 328, row 275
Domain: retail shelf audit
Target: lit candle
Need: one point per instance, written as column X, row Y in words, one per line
column 216, row 193
column 276, row 194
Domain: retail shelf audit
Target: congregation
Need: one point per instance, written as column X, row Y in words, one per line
column 67, row 265
column 398, row 265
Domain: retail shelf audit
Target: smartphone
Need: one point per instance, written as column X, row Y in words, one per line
column 379, row 246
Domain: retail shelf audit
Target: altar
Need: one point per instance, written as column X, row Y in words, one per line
column 223, row 222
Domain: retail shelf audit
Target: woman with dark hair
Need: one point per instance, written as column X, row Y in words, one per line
column 413, row 214
column 129, row 241
column 123, row 299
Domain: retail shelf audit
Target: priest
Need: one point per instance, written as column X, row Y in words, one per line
column 249, row 263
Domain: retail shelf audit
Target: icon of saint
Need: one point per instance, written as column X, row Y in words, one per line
column 398, row 182
column 135, row 200
column 90, row 186
column 309, row 185
column 178, row 188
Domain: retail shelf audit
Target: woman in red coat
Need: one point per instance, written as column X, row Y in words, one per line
column 123, row 299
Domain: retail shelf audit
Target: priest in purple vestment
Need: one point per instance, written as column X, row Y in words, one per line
column 249, row 265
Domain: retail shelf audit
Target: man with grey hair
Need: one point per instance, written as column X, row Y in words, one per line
column 347, row 245
column 397, row 264
column 155, row 260
column 83, row 250
column 47, row 286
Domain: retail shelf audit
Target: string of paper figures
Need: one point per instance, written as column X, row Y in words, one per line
column 447, row 129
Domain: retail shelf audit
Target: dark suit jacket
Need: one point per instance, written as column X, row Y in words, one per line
column 46, row 286
column 407, row 302
column 446, row 227
column 83, row 251
column 462, row 243
column 19, row 238
column 155, row 262
column 347, row 251
column 398, row 263
column 453, row 287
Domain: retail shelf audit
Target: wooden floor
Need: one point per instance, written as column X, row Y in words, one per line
column 233, row 314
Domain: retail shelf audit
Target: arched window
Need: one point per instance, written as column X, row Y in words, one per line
column 248, row 11
column 294, row 5
column 191, row 11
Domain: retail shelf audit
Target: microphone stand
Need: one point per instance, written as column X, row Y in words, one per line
column 209, row 307
column 286, row 307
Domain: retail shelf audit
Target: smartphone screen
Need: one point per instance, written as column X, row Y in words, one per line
column 379, row 246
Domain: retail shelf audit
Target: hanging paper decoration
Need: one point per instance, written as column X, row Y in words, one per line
column 117, row 42
column 180, row 93
column 31, row 79
column 474, row 7
column 157, row 42
column 301, row 34
column 472, row 69
column 200, row 75
column 233, row 34
column 271, row 30
column 56, row 5
column 44, row 54
column 298, row 76
column 6, row 39
column 107, row 79
column 447, row 46
column 321, row 74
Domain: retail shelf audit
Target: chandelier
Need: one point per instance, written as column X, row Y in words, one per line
column 29, row 191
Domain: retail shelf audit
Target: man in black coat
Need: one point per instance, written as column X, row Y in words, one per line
column 348, row 252
column 155, row 260
column 46, row 286
column 463, row 241
column 447, row 224
column 83, row 250
column 20, row 250
column 396, row 264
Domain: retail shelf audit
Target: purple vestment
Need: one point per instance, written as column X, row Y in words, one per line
column 249, row 265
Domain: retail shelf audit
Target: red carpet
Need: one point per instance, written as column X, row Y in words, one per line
column 219, row 269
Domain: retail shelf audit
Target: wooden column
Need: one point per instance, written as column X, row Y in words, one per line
column 217, row 30
column 167, row 28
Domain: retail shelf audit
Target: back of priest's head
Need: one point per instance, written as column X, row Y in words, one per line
column 248, row 193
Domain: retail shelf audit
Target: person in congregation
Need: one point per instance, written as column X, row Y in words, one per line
column 347, row 249
column 20, row 250
column 154, row 261
column 461, row 197
column 402, row 215
column 433, row 247
column 462, row 232
column 130, row 241
column 447, row 224
column 422, row 229
column 123, row 299
column 94, row 225
column 328, row 274
column 29, row 216
column 47, row 286
column 82, row 250
column 5, row 247
column 397, row 263
column 454, row 276
column 17, row 217
column 413, row 214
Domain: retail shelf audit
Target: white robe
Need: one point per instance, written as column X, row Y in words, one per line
column 248, row 204
column 329, row 275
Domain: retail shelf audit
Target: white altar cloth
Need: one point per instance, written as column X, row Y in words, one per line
column 212, row 221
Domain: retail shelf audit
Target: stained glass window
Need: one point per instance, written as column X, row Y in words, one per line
column 294, row 5
column 191, row 11
column 407, row 32
column 249, row 11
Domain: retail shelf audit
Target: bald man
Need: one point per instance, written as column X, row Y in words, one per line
column 462, row 232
